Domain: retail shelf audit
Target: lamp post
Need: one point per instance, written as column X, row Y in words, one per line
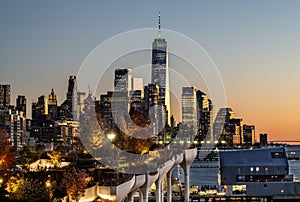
column 48, row 185
column 111, row 136
column 1, row 181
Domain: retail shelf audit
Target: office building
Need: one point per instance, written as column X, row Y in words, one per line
column 5, row 95
column 160, row 70
column 21, row 104
column 263, row 139
column 157, row 111
column 228, row 129
column 189, row 107
column 122, row 81
column 52, row 105
column 39, row 111
column 14, row 122
column 189, row 112
column 69, row 109
column 105, row 111
column 81, row 98
column 204, row 117
column 249, row 134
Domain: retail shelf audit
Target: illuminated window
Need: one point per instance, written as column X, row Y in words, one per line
column 266, row 168
column 239, row 189
column 251, row 169
column 257, row 169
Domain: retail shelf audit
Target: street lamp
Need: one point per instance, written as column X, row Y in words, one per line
column 1, row 181
column 111, row 136
column 48, row 185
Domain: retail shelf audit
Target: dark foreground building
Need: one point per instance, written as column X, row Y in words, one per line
column 260, row 172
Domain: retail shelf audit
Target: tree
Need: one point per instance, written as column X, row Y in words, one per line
column 6, row 151
column 26, row 189
column 55, row 158
column 75, row 182
column 27, row 156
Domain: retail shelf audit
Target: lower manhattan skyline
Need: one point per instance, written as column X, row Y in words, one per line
column 254, row 44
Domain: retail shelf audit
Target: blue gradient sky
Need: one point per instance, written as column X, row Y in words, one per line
column 255, row 44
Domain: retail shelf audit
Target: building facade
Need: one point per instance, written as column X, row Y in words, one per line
column 256, row 172
column 5, row 95
column 14, row 122
column 189, row 112
column 160, row 70
column 21, row 104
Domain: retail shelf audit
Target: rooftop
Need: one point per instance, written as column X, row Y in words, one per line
column 256, row 157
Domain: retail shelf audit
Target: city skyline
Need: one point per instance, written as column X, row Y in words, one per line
column 256, row 55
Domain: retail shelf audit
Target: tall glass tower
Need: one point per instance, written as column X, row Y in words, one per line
column 160, row 72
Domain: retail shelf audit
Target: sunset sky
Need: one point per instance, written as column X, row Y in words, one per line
column 255, row 45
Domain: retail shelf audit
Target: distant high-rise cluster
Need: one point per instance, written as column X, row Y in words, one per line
column 131, row 97
column 149, row 106
column 13, row 119
column 53, row 123
column 128, row 105
column 231, row 131
column 197, row 114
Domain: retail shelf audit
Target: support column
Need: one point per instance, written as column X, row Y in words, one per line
column 158, row 190
column 130, row 197
column 169, row 186
column 187, row 184
column 141, row 196
column 145, row 191
column 189, row 156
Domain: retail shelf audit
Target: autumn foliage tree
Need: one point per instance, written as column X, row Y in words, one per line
column 21, row 188
column 55, row 158
column 75, row 183
column 27, row 156
column 6, row 151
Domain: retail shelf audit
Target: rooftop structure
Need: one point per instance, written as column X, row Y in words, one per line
column 256, row 172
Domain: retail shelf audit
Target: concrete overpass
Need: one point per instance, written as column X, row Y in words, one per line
column 141, row 182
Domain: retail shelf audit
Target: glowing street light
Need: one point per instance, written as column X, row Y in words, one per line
column 111, row 136
column 48, row 185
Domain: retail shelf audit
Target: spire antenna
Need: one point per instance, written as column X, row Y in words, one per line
column 90, row 92
column 159, row 25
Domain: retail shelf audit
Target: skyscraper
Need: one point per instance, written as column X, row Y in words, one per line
column 136, row 94
column 123, row 79
column 21, row 104
column 228, row 129
column 14, row 122
column 204, row 108
column 39, row 111
column 160, row 72
column 137, row 84
column 52, row 105
column 189, row 107
column 72, row 96
column 152, row 105
column 249, row 134
column 189, row 114
column 122, row 88
column 69, row 108
column 105, row 111
column 5, row 95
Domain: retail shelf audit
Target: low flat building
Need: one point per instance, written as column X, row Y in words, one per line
column 256, row 172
